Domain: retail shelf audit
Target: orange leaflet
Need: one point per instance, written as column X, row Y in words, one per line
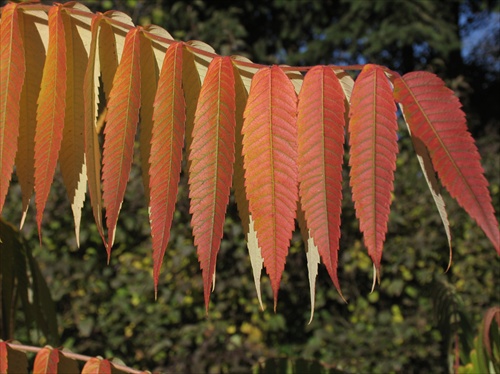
column 97, row 366
column 270, row 161
column 46, row 361
column 12, row 70
column 72, row 153
column 434, row 116
column 212, row 159
column 92, row 150
column 167, row 139
column 120, row 130
column 373, row 150
column 50, row 112
column 320, row 122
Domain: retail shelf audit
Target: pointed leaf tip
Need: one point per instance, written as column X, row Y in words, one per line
column 312, row 255
column 242, row 86
column 256, row 259
column 321, row 122
column 91, row 140
column 120, row 130
column 211, row 164
column 167, row 140
column 376, row 277
column 373, row 149
column 50, row 112
column 270, row 162
column 72, row 153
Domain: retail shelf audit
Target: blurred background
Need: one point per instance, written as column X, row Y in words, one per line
column 109, row 310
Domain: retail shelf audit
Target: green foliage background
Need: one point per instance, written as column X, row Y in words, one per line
column 109, row 310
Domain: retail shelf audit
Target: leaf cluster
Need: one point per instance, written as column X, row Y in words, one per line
column 245, row 126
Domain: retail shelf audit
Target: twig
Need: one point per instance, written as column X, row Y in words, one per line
column 75, row 356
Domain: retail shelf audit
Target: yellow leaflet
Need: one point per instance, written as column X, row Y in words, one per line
column 159, row 48
column 92, row 150
column 192, row 85
column 425, row 162
column 119, row 32
column 201, row 61
column 72, row 153
column 254, row 250
column 149, row 81
column 255, row 258
column 347, row 84
column 239, row 174
column 296, row 77
column 246, row 73
column 35, row 33
column 108, row 59
column 312, row 256
column 111, row 43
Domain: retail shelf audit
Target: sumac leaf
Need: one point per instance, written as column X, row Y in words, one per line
column 50, row 112
column 12, row 70
column 373, row 150
column 320, row 122
column 434, row 116
column 212, row 160
column 120, row 130
column 167, row 139
column 270, row 162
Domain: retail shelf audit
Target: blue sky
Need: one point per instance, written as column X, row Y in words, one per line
column 481, row 40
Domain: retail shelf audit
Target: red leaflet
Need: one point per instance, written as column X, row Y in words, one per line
column 97, row 366
column 167, row 139
column 373, row 142
column 434, row 116
column 212, row 159
column 270, row 161
column 119, row 133
column 46, row 361
column 72, row 153
column 50, row 112
column 12, row 71
column 320, row 122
